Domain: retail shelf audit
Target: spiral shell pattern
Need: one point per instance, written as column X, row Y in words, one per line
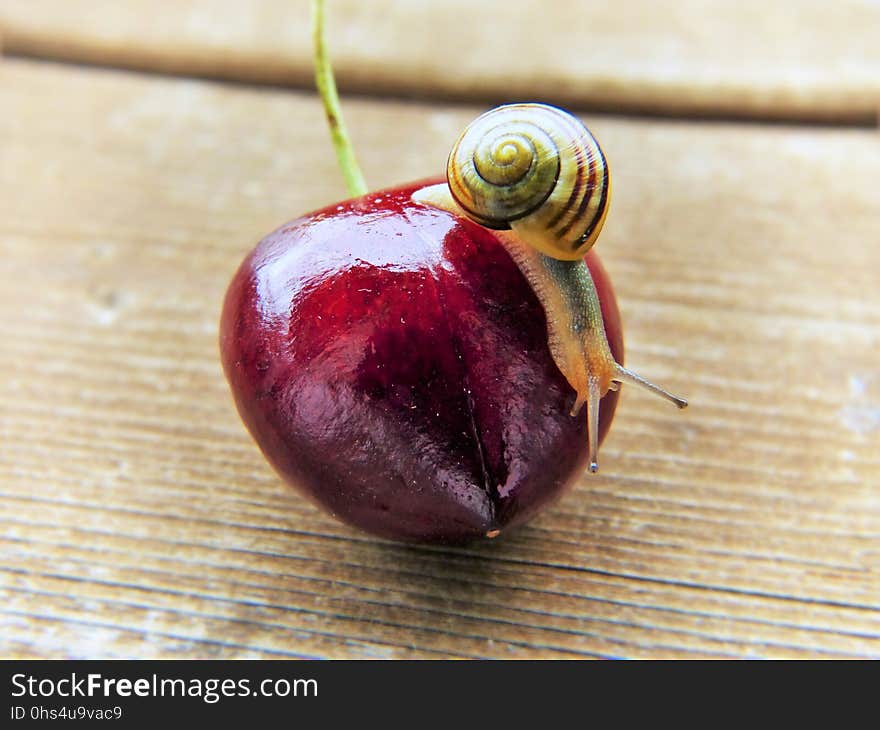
column 536, row 169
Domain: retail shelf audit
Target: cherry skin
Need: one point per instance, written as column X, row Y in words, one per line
column 391, row 362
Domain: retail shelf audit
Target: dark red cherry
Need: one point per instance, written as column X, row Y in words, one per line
column 392, row 364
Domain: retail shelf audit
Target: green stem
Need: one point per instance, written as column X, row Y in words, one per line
column 354, row 178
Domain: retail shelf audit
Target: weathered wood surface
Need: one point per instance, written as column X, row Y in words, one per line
column 139, row 519
column 796, row 59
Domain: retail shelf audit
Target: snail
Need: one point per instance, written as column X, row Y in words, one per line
column 536, row 175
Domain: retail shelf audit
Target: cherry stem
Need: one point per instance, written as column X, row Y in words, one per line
column 326, row 83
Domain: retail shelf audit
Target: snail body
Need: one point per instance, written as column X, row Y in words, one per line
column 537, row 176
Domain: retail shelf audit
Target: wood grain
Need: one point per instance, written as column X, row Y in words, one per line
column 139, row 519
column 789, row 59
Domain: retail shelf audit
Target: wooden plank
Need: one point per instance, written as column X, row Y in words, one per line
column 791, row 59
column 139, row 519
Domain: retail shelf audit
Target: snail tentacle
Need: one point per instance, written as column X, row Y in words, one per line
column 628, row 376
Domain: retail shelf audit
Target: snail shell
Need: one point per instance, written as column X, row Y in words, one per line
column 536, row 169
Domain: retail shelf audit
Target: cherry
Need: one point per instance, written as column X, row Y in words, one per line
column 392, row 363
column 415, row 360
